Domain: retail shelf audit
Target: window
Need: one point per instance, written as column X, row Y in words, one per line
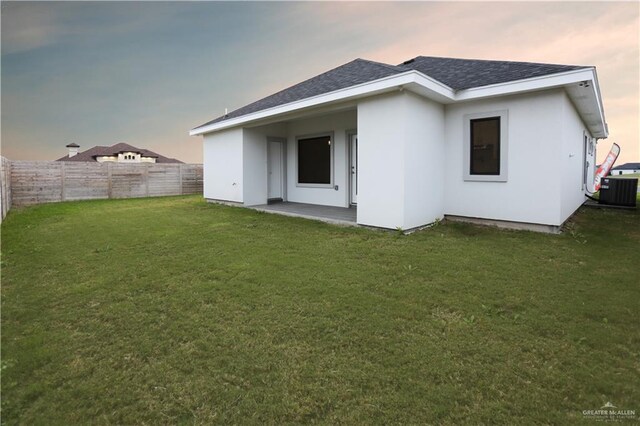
column 485, row 146
column 314, row 160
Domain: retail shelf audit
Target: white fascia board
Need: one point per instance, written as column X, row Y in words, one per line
column 525, row 85
column 596, row 89
column 364, row 89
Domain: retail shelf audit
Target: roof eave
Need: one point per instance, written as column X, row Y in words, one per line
column 361, row 90
column 550, row 81
column 427, row 87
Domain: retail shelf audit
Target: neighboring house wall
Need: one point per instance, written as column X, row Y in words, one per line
column 572, row 158
column 223, row 173
column 624, row 172
column 531, row 193
column 125, row 157
column 105, row 158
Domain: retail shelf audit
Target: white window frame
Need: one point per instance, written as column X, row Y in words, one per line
column 331, row 160
column 504, row 145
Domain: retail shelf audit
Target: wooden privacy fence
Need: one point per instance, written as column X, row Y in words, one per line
column 5, row 187
column 35, row 182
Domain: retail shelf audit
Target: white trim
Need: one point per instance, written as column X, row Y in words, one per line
column 427, row 86
column 504, row 147
column 603, row 120
column 369, row 88
column 283, row 165
column 352, row 138
column 526, row 84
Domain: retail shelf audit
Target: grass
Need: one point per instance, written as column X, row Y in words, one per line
column 171, row 310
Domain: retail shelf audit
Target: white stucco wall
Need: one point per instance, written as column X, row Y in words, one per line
column 412, row 162
column 532, row 192
column 254, row 166
column 380, row 161
column 571, row 161
column 401, row 146
column 339, row 124
column 223, row 171
column 255, row 161
column 423, row 166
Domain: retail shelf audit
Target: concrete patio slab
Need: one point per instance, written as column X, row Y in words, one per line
column 336, row 215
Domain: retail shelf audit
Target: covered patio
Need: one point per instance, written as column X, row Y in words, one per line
column 330, row 214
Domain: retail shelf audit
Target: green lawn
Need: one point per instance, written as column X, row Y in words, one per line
column 171, row 310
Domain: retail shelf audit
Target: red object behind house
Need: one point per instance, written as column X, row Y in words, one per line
column 605, row 167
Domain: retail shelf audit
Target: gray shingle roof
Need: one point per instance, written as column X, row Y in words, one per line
column 350, row 74
column 98, row 151
column 458, row 74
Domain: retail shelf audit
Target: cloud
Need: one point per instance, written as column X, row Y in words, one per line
column 27, row 26
column 32, row 25
column 600, row 34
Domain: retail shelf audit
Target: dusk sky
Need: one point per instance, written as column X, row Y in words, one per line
column 99, row 73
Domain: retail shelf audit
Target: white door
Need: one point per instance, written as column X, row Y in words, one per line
column 275, row 169
column 353, row 158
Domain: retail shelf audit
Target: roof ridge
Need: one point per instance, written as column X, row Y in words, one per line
column 382, row 64
column 503, row 61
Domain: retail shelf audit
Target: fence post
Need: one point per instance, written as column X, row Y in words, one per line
column 146, row 179
column 109, row 181
column 62, row 178
column 181, row 179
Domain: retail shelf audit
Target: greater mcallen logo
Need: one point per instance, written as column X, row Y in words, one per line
column 609, row 413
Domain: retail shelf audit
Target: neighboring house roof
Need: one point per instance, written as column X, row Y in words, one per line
column 627, row 166
column 99, row 151
column 457, row 74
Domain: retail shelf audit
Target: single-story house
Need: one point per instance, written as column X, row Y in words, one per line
column 625, row 169
column 509, row 143
column 118, row 153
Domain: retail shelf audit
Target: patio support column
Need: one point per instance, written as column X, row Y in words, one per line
column 400, row 161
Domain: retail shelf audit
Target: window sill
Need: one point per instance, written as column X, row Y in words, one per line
column 484, row 178
column 315, row 185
